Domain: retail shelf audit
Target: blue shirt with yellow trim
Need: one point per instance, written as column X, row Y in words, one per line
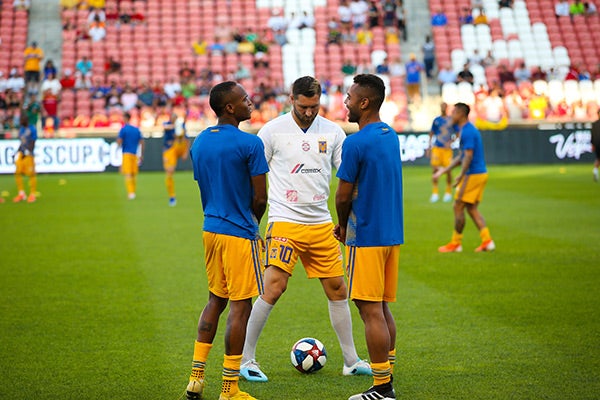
column 28, row 136
column 225, row 159
column 470, row 139
column 443, row 130
column 131, row 137
column 371, row 160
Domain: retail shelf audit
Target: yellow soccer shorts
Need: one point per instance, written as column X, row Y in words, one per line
column 24, row 165
column 233, row 266
column 129, row 165
column 440, row 157
column 470, row 188
column 373, row 273
column 174, row 153
column 315, row 245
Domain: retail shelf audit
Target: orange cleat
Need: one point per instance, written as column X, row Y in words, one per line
column 450, row 248
column 488, row 245
column 31, row 198
column 1, row 200
column 20, row 197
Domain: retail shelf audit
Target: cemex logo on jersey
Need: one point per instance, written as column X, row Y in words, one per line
column 299, row 169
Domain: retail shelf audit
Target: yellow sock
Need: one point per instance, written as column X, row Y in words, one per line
column 485, row 234
column 456, row 237
column 435, row 189
column 201, row 351
column 129, row 184
column 448, row 189
column 231, row 373
column 392, row 359
column 19, row 180
column 170, row 183
column 33, row 185
column 382, row 373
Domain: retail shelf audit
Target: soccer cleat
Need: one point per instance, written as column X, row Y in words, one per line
column 250, row 370
column 450, row 248
column 361, row 367
column 434, row 198
column 31, row 198
column 172, row 202
column 447, row 198
column 488, row 245
column 595, row 171
column 239, row 395
column 379, row 392
column 1, row 199
column 131, row 196
column 194, row 389
column 20, row 197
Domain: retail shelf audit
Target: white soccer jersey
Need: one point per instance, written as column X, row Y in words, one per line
column 300, row 167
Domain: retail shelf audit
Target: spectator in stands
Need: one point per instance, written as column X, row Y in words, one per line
column 52, row 84
column 146, row 96
column 488, row 60
column 82, row 33
column 505, row 75
column 465, row 75
column 467, row 17
column 50, row 113
column 561, row 9
column 242, row 72
column 577, row 8
column 401, row 19
column 21, row 5
column 345, row 15
column 33, row 56
column 112, row 14
column 186, row 72
column 67, row 81
column 68, row 4
column 69, row 25
column 584, row 74
column 590, row 8
column 514, row 105
column 334, row 34
column 439, row 18
column 373, row 14
column 360, row 12
column 573, row 74
column 3, row 82
column 428, row 56
column 493, row 115
column 307, row 21
column 538, row 106
column 522, row 73
column 364, row 36
column 477, row 4
column 383, row 68
column 480, row 19
column 111, row 66
column 295, row 21
column 364, row 67
column 397, row 69
column 348, row 68
column 537, row 74
column 49, row 68
column 188, row 89
column 96, row 12
column 32, row 109
column 596, row 73
column 129, row 98
column 505, row 3
column 475, row 58
column 246, row 46
column 97, row 30
column 113, row 100
column 199, row 47
column 278, row 24
column 413, row 78
column 388, row 8
column 554, row 74
column 15, row 81
column 446, row 75
column 83, row 73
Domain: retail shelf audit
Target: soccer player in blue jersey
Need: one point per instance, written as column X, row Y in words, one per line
column 470, row 183
column 371, row 224
column 130, row 137
column 24, row 160
column 230, row 168
column 175, row 147
column 440, row 152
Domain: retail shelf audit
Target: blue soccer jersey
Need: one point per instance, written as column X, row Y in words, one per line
column 131, row 137
column 442, row 130
column 371, row 160
column 171, row 133
column 224, row 160
column 470, row 139
column 28, row 136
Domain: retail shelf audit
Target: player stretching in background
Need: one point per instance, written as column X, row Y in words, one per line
column 230, row 167
column 371, row 224
column 302, row 148
column 470, row 182
column 129, row 139
column 440, row 151
column 596, row 145
column 175, row 147
column 24, row 160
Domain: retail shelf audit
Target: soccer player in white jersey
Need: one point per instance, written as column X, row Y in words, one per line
column 301, row 148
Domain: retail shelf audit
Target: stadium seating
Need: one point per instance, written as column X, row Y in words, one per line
column 13, row 35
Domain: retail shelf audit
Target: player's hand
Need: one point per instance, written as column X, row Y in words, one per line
column 140, row 160
column 428, row 153
column 339, row 233
column 439, row 172
column 457, row 180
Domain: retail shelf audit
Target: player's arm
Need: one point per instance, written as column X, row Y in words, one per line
column 466, row 162
column 259, row 201
column 142, row 147
column 430, row 144
column 343, row 206
column 455, row 161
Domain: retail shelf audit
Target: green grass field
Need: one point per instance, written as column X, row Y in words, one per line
column 100, row 296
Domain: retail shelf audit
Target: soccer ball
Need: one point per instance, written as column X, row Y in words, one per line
column 308, row 355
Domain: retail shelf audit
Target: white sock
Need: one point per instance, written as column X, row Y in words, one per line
column 258, row 318
column 595, row 170
column 341, row 320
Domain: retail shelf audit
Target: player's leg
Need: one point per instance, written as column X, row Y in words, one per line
column 19, row 178
column 448, row 192
column 391, row 324
column 596, row 164
column 169, row 164
column 30, row 172
column 435, row 191
column 455, row 244
column 487, row 244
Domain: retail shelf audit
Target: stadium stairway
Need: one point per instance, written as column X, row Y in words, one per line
column 45, row 28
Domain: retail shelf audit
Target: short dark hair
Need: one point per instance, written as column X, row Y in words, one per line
column 126, row 116
column 464, row 108
column 374, row 85
column 217, row 98
column 306, row 86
